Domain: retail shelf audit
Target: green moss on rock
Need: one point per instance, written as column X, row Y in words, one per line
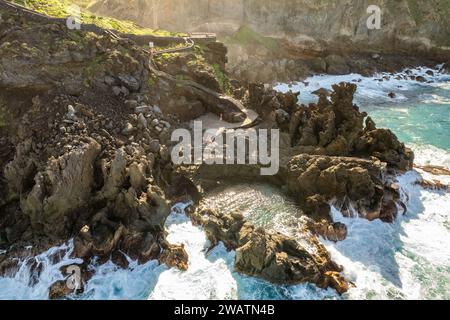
column 63, row 9
column 247, row 36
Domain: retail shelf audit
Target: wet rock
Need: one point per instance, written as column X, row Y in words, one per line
column 175, row 256
column 435, row 170
column 433, row 185
column 317, row 205
column 59, row 290
column 421, row 79
column 330, row 231
column 269, row 255
column 315, row 180
column 322, row 92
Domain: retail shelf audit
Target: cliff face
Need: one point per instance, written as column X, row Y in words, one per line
column 406, row 25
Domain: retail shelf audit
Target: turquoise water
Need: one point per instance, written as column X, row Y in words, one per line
column 416, row 122
column 418, row 115
column 424, row 118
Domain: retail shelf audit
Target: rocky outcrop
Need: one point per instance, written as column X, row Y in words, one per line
column 335, row 232
column 94, row 164
column 313, row 179
column 60, row 190
column 333, row 127
column 299, row 21
column 303, row 36
column 269, row 255
column 352, row 184
column 175, row 256
column 69, row 63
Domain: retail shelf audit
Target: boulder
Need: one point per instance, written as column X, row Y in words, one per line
column 130, row 82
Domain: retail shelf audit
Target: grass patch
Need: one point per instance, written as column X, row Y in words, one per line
column 152, row 81
column 246, row 36
column 93, row 68
column 63, row 9
column 415, row 10
column 2, row 114
column 221, row 77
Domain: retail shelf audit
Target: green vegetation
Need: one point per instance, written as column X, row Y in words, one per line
column 223, row 80
column 2, row 114
column 63, row 9
column 246, row 37
column 152, row 80
column 415, row 10
column 166, row 57
column 93, row 67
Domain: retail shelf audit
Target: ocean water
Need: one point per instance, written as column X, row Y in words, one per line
column 408, row 259
column 419, row 114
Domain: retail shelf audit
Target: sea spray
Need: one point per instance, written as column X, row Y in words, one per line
column 34, row 283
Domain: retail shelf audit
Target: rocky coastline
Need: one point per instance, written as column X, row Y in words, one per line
column 288, row 40
column 85, row 127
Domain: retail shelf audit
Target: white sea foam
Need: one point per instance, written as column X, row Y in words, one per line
column 208, row 277
column 431, row 155
column 371, row 88
column 407, row 259
column 22, row 286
